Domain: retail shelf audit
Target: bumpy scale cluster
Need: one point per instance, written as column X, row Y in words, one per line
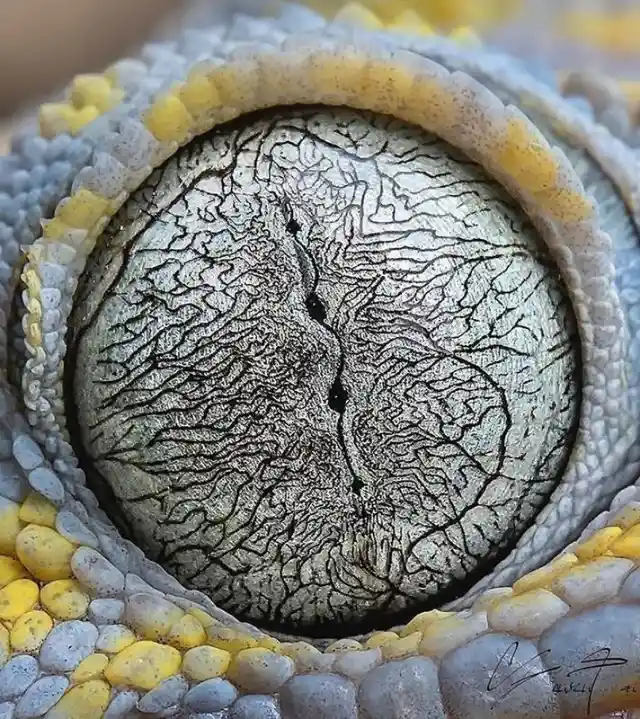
column 81, row 638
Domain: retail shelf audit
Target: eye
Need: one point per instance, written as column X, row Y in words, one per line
column 323, row 369
column 322, row 336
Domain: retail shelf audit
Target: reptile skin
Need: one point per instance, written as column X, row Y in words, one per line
column 320, row 391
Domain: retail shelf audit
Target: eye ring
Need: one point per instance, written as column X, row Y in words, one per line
column 414, row 89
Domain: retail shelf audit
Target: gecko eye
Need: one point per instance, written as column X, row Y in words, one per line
column 356, row 348
column 323, row 368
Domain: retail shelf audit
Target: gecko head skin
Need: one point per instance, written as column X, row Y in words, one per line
column 321, row 384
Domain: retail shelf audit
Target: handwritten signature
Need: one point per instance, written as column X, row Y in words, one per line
column 506, row 679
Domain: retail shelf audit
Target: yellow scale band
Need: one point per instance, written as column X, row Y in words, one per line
column 37, row 588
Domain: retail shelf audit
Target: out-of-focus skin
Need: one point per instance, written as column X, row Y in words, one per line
column 613, row 32
column 444, row 14
column 45, row 42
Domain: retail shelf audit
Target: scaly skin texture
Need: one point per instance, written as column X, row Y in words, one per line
column 89, row 627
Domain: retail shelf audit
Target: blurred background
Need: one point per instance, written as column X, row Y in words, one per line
column 566, row 34
column 71, row 36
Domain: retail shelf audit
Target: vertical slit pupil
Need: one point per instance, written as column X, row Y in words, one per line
column 315, row 307
column 337, row 396
column 337, row 393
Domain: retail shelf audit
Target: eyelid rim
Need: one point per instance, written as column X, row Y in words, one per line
column 463, row 112
column 609, row 152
